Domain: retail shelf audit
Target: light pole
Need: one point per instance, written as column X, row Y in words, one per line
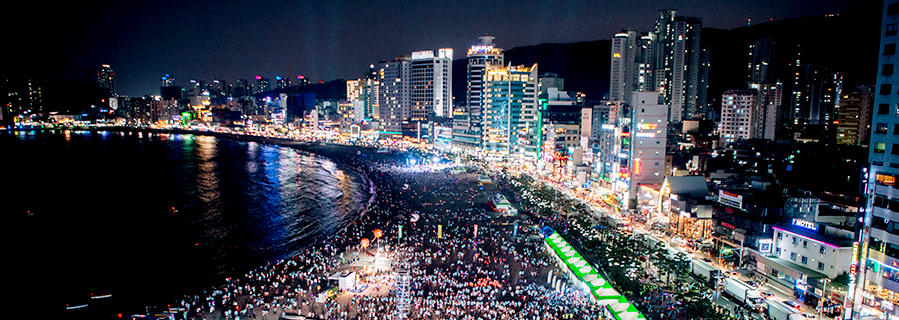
column 823, row 295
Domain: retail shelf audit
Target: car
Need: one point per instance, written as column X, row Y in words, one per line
column 768, row 294
column 753, row 284
column 793, row 304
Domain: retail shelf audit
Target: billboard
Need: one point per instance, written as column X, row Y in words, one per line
column 730, row 199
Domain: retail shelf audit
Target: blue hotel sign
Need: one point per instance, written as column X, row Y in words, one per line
column 805, row 224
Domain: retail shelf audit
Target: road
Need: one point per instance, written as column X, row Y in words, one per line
column 779, row 294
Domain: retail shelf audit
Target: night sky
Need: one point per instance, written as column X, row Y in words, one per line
column 323, row 40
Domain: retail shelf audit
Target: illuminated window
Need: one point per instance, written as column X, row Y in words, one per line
column 885, row 179
column 881, row 128
column 880, row 147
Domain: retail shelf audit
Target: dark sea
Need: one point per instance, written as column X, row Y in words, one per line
column 148, row 218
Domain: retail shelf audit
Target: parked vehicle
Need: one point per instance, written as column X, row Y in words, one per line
column 781, row 311
column 743, row 294
column 704, row 271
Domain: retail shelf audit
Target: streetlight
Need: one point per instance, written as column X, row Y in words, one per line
column 821, row 303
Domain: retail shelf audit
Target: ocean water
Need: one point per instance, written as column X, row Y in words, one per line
column 150, row 217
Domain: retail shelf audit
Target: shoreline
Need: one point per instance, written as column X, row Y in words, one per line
column 460, row 269
column 369, row 187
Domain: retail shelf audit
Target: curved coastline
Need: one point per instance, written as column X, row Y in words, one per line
column 340, row 160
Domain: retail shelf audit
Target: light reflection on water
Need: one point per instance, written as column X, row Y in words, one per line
column 239, row 204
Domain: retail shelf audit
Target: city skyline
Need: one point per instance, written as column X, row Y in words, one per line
column 198, row 40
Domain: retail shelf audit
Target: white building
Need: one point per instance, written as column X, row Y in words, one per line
column 623, row 66
column 800, row 244
column 393, row 94
column 350, row 112
column 648, row 131
column 737, row 110
column 432, row 84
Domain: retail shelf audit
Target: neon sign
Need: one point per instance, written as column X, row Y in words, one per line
column 648, row 126
column 805, row 224
column 765, row 245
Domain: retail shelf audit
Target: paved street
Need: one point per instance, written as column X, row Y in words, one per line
column 780, row 294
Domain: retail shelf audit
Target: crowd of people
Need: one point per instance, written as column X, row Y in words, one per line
column 465, row 261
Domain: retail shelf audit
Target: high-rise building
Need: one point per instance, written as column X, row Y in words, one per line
column 876, row 286
column 632, row 64
column 393, row 94
column 241, row 88
column 738, row 108
column 432, row 84
column 467, row 120
column 509, row 101
column 106, row 79
column 281, row 82
column 365, row 90
column 670, row 60
column 262, row 85
column 167, row 80
column 683, row 75
column 353, row 90
column 218, row 88
column 848, row 114
column 648, row 140
column 197, row 88
column 662, row 64
column 866, row 110
column 765, row 118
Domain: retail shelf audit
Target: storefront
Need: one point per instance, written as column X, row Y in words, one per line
column 806, row 284
column 691, row 221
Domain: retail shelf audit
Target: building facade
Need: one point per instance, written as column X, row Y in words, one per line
column 670, row 60
column 432, row 84
column 878, row 278
column 509, row 106
column 737, row 110
column 393, row 95
column 648, row 143
column 467, row 129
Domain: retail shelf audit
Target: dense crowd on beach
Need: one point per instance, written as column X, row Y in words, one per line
column 466, row 261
